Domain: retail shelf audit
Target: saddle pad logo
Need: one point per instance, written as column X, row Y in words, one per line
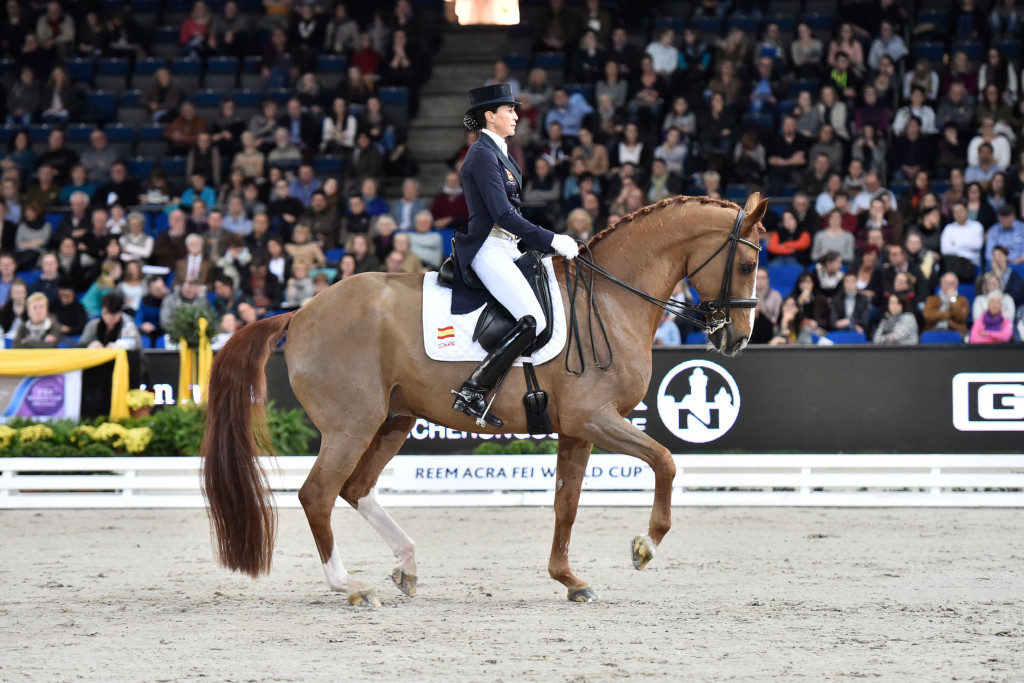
column 698, row 401
column 445, row 332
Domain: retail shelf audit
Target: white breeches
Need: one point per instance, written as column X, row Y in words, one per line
column 495, row 265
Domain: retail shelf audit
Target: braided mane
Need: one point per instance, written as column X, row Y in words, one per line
column 678, row 199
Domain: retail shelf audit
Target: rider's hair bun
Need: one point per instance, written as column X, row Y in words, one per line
column 471, row 122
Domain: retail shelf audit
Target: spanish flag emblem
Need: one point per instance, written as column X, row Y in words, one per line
column 445, row 332
column 511, row 177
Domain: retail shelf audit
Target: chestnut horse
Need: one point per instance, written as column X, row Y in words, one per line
column 356, row 363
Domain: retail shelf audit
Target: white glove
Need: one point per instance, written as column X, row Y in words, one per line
column 565, row 245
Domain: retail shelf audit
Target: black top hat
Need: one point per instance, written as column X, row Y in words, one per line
column 489, row 95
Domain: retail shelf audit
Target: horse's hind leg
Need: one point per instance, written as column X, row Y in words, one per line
column 339, row 454
column 358, row 492
column 572, row 463
column 610, row 431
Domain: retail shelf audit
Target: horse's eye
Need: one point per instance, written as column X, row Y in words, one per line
column 747, row 268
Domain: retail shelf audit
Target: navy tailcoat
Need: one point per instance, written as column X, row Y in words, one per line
column 492, row 183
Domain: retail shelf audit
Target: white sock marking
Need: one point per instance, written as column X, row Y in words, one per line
column 399, row 542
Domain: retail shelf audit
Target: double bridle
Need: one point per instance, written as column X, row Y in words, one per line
column 712, row 315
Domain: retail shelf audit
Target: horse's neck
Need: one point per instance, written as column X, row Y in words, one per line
column 649, row 253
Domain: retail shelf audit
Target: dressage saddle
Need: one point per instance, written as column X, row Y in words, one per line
column 495, row 321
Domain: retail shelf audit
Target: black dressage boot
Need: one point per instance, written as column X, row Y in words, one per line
column 472, row 397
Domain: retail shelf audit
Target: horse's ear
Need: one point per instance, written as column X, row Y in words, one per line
column 756, row 209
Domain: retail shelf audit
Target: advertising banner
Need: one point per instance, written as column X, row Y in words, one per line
column 514, row 473
column 837, row 399
column 49, row 397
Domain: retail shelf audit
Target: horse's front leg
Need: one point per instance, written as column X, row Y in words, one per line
column 611, row 431
column 572, row 463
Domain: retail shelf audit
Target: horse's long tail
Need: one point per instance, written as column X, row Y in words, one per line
column 242, row 515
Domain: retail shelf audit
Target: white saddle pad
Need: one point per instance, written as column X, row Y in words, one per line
column 449, row 337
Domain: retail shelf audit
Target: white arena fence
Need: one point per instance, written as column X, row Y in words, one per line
column 825, row 480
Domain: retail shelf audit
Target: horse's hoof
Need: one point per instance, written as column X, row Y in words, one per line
column 583, row 593
column 405, row 582
column 642, row 551
column 363, row 598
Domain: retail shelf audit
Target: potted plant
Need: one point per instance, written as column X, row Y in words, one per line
column 140, row 402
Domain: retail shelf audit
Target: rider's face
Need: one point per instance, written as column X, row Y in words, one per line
column 503, row 121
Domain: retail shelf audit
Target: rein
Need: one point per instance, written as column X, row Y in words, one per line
column 711, row 315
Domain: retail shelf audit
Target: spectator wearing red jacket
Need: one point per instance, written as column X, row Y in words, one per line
column 789, row 243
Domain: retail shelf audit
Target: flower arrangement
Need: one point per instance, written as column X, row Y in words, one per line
column 140, row 398
column 172, row 430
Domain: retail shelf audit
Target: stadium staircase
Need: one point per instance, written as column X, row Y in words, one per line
column 466, row 60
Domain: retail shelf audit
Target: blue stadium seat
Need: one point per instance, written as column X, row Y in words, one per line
column 130, row 98
column 186, row 65
column 7, row 67
column 120, row 134
column 221, row 65
column 786, row 22
column 54, row 219
column 1010, row 48
column 549, row 60
column 39, row 132
column 173, row 166
column 847, row 337
column 140, row 167
column 246, row 98
column 7, row 133
column 209, row 98
column 1019, row 267
column 783, row 278
column 698, row 338
column 334, row 255
column 967, row 291
column 708, row 25
column 30, row 277
column 942, row 337
column 330, row 63
column 735, row 193
column 747, row 23
column 100, row 106
column 818, row 22
column 796, row 87
column 974, row 49
column 328, row 164
column 933, row 15
column 78, row 135
column 673, row 23
column 931, row 51
column 159, row 225
column 446, row 240
column 763, row 122
column 81, row 70
column 587, row 91
column 145, row 68
column 517, row 62
column 115, row 66
column 279, row 95
column 393, row 95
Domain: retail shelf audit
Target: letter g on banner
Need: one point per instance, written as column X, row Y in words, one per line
column 988, row 401
column 698, row 401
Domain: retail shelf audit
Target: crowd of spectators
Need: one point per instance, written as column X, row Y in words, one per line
column 252, row 221
column 892, row 146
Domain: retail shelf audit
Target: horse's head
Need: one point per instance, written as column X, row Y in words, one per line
column 724, row 271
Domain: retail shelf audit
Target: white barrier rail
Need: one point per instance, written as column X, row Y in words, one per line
column 713, row 480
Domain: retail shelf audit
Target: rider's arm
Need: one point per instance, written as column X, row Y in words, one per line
column 488, row 176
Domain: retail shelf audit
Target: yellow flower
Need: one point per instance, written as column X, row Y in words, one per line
column 6, row 435
column 140, row 398
column 35, row 433
column 137, row 440
column 83, row 434
column 111, row 433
